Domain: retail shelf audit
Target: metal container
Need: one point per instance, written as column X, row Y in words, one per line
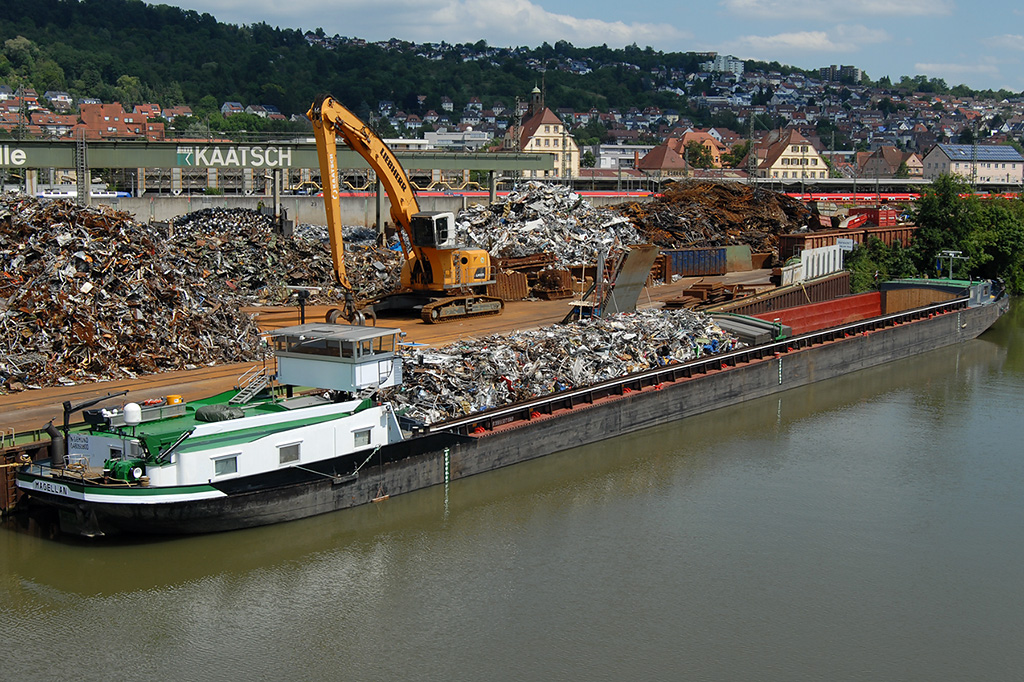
column 509, row 286
column 793, row 244
column 695, row 262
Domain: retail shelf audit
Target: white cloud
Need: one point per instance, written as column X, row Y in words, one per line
column 790, row 10
column 510, row 22
column 843, row 38
column 854, row 36
column 1007, row 41
column 523, row 21
column 957, row 69
column 803, row 41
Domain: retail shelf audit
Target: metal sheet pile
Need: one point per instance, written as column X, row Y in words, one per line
column 497, row 370
column 537, row 218
column 698, row 214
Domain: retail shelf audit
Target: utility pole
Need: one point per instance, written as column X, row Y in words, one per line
column 751, row 154
column 974, row 158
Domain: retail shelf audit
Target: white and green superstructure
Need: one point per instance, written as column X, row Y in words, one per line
column 174, row 466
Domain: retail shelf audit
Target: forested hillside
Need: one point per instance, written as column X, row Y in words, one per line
column 129, row 51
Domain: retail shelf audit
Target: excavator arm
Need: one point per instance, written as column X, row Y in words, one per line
column 330, row 119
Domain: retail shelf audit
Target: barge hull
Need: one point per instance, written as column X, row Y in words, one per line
column 443, row 456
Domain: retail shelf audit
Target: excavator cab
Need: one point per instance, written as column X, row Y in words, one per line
column 433, row 229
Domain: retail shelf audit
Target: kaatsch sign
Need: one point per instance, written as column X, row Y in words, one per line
column 255, row 156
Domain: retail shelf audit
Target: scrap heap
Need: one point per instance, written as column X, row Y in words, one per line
column 537, row 218
column 707, row 214
column 91, row 295
column 242, row 247
column 497, row 370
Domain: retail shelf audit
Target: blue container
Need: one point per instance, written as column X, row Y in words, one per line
column 695, row 262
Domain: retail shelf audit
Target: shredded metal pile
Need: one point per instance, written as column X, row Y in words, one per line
column 708, row 214
column 537, row 218
column 241, row 247
column 497, row 370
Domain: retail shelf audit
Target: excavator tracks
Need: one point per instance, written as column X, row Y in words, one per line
column 459, row 308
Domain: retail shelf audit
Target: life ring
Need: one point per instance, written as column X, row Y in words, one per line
column 152, row 402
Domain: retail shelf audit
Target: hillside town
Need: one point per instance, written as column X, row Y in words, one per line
column 783, row 126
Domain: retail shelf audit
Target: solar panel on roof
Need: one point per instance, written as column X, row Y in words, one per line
column 967, row 152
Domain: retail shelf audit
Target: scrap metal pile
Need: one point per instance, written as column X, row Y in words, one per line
column 537, row 218
column 708, row 214
column 241, row 247
column 91, row 295
column 497, row 370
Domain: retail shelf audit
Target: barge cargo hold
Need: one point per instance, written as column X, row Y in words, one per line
column 139, row 497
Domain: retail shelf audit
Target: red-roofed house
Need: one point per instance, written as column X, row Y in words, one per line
column 786, row 154
column 110, row 121
column 171, row 113
column 663, row 160
column 148, row 110
column 544, row 133
column 54, row 124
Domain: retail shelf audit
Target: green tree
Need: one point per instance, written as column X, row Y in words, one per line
column 1002, row 237
column 21, row 53
column 207, row 105
column 48, row 75
column 875, row 263
column 945, row 215
column 735, row 156
column 129, row 91
column 587, row 159
column 590, row 134
column 698, row 156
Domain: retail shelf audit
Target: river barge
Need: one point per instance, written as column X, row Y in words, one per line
column 239, row 460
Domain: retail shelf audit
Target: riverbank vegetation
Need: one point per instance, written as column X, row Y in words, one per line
column 988, row 233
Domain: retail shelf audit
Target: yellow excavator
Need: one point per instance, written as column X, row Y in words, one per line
column 441, row 279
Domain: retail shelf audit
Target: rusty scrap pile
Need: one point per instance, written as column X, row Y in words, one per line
column 91, row 295
column 497, row 370
column 707, row 214
column 537, row 218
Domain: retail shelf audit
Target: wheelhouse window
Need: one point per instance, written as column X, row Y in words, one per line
column 223, row 466
column 361, row 437
column 288, row 454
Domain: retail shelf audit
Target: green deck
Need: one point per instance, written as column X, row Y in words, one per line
column 159, row 434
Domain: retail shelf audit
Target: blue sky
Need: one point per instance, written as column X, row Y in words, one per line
column 979, row 44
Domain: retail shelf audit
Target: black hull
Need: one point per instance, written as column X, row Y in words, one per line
column 436, row 458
